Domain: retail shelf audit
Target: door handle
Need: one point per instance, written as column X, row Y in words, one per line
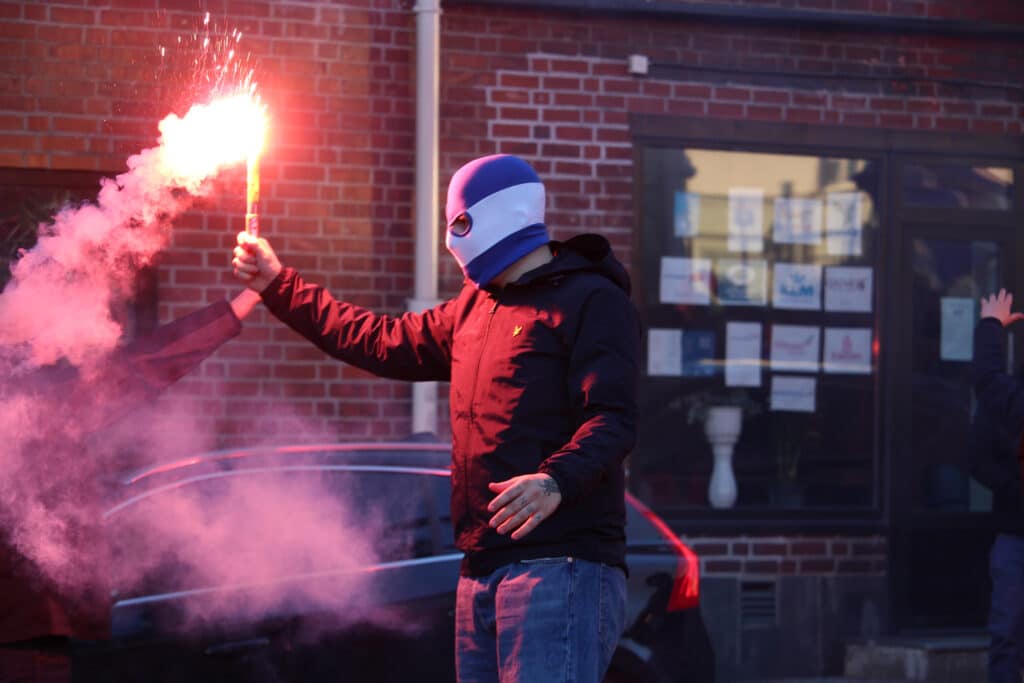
column 236, row 646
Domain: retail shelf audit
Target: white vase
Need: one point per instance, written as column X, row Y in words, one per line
column 722, row 427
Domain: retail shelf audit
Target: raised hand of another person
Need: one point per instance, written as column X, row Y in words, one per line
column 998, row 306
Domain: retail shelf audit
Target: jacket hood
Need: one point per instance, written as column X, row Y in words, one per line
column 587, row 252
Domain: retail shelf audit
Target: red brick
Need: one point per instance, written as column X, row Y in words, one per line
column 72, row 15
column 809, row 548
column 859, row 119
column 896, row 120
column 817, row 566
column 721, row 567
column 989, row 127
column 732, row 94
column 692, row 91
column 728, row 111
column 760, row 566
column 764, row 113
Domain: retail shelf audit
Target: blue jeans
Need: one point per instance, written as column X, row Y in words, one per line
column 1006, row 614
column 552, row 620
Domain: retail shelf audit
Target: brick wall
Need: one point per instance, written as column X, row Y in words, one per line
column 749, row 556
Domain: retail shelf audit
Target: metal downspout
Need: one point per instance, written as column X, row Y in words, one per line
column 428, row 59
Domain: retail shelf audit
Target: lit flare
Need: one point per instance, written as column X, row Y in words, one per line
column 211, row 136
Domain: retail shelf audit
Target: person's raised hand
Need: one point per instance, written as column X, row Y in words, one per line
column 522, row 503
column 998, row 306
column 254, row 262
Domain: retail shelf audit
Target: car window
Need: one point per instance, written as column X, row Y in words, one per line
column 266, row 524
column 413, row 517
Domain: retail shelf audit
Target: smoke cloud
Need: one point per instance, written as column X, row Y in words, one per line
column 56, row 333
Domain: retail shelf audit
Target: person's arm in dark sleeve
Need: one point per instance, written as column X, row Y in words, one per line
column 603, row 378
column 413, row 346
column 992, row 459
column 1000, row 395
column 139, row 371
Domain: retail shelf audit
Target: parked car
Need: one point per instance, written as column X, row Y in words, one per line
column 335, row 562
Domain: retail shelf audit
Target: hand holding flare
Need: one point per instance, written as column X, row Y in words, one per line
column 254, row 262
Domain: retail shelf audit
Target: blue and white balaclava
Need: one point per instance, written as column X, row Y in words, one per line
column 495, row 214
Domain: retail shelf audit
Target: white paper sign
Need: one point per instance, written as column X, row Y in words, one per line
column 686, row 214
column 843, row 223
column 795, row 347
column 741, row 283
column 848, row 289
column 847, row 350
column 957, row 330
column 743, row 354
column 685, row 280
column 746, row 219
column 794, row 394
column 796, row 286
column 664, row 353
column 797, row 221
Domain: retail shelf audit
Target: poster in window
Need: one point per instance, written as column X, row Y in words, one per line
column 796, row 286
column 847, row 350
column 843, row 224
column 957, row 329
column 746, row 219
column 742, row 354
column 793, row 394
column 681, row 353
column 795, row 348
column 848, row 289
column 685, row 280
column 686, row 214
column 664, row 352
column 741, row 283
column 699, row 353
column 797, row 221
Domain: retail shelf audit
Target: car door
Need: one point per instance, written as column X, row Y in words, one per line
column 284, row 573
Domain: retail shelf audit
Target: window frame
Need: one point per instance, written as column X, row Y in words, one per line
column 890, row 149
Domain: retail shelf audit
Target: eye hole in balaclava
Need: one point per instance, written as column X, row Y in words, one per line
column 461, row 225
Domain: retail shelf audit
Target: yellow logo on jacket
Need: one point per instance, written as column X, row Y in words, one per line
column 516, row 330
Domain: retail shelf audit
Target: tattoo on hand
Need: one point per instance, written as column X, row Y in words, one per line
column 548, row 486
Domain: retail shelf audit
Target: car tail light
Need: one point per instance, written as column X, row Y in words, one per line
column 686, row 587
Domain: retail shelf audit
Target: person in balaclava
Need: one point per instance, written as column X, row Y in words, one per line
column 541, row 348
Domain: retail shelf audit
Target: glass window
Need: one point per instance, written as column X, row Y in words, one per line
column 948, row 278
column 287, row 522
column 758, row 282
column 958, row 186
column 30, row 197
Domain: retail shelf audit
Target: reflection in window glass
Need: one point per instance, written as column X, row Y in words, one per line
column 949, row 186
column 758, row 285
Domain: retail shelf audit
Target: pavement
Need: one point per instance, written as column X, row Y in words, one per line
column 831, row 679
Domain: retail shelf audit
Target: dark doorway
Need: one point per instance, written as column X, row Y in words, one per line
column 956, row 244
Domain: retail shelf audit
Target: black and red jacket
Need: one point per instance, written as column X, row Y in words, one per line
column 543, row 379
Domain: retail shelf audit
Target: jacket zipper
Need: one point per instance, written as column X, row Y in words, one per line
column 472, row 398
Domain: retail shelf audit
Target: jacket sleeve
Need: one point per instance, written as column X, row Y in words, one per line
column 140, row 370
column 413, row 346
column 1000, row 395
column 992, row 457
column 603, row 378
